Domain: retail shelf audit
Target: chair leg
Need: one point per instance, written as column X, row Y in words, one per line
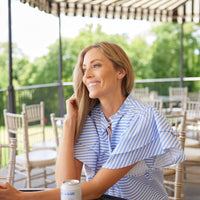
column 184, row 174
column 183, row 193
column 45, row 177
column 28, row 174
column 198, row 131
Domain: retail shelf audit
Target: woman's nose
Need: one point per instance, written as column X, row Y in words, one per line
column 88, row 73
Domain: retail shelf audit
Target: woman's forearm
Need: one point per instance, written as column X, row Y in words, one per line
column 53, row 194
column 65, row 166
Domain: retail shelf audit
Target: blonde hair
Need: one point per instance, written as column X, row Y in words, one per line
column 119, row 59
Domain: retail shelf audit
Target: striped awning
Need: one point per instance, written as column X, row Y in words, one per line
column 151, row 10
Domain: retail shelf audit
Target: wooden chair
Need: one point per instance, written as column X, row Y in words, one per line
column 192, row 124
column 192, row 149
column 57, row 125
column 178, row 94
column 26, row 160
column 173, row 174
column 192, row 165
column 7, row 172
column 156, row 103
column 36, row 124
column 141, row 93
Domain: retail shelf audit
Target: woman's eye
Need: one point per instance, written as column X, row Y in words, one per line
column 96, row 65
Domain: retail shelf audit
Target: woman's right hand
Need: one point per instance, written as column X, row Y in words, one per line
column 70, row 119
column 8, row 192
column 72, row 107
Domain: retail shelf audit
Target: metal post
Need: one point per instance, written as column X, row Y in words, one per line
column 11, row 92
column 60, row 68
column 181, row 56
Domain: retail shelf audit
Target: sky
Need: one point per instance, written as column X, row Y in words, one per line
column 34, row 31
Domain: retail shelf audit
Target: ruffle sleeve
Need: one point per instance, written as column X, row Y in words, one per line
column 86, row 148
column 148, row 139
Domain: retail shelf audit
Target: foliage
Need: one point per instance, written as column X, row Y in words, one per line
column 140, row 54
column 149, row 61
column 3, row 65
column 21, row 67
column 161, row 59
column 165, row 51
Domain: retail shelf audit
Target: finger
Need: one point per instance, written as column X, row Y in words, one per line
column 73, row 97
column 71, row 100
column 3, row 185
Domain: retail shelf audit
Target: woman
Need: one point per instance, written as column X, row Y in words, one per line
column 116, row 137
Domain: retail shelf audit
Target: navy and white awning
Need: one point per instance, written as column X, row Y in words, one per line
column 150, row 10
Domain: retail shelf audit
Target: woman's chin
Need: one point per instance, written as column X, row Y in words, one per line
column 93, row 96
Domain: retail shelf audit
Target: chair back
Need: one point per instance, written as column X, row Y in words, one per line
column 36, row 118
column 57, row 125
column 156, row 103
column 178, row 124
column 141, row 93
column 17, row 127
column 178, row 93
column 175, row 183
column 193, row 110
column 7, row 169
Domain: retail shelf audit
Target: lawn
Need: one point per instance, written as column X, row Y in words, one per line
column 32, row 139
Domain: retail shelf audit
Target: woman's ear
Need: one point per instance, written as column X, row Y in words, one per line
column 121, row 73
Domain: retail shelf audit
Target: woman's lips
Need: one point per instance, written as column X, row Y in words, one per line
column 92, row 84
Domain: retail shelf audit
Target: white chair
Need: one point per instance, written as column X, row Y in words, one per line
column 192, row 149
column 178, row 97
column 173, row 174
column 26, row 160
column 57, row 125
column 36, row 125
column 192, row 165
column 7, row 170
column 141, row 93
column 192, row 124
column 156, row 103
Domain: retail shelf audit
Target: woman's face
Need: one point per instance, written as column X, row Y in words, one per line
column 100, row 77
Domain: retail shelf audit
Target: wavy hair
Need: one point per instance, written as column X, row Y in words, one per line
column 119, row 59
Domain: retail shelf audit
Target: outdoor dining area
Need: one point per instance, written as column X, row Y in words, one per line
column 32, row 147
column 31, row 132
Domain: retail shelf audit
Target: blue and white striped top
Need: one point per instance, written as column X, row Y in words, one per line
column 140, row 134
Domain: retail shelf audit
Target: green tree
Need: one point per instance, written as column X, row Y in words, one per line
column 140, row 56
column 165, row 62
column 165, row 51
column 48, row 65
column 192, row 54
column 20, row 66
column 3, row 65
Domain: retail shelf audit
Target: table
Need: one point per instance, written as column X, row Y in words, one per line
column 168, row 99
column 103, row 197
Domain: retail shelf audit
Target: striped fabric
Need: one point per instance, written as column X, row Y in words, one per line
column 140, row 134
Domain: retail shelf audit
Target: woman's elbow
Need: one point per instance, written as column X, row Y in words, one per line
column 92, row 190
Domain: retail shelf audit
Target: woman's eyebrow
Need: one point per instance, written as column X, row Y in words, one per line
column 92, row 61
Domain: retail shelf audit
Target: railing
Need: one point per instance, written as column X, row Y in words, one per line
column 49, row 93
